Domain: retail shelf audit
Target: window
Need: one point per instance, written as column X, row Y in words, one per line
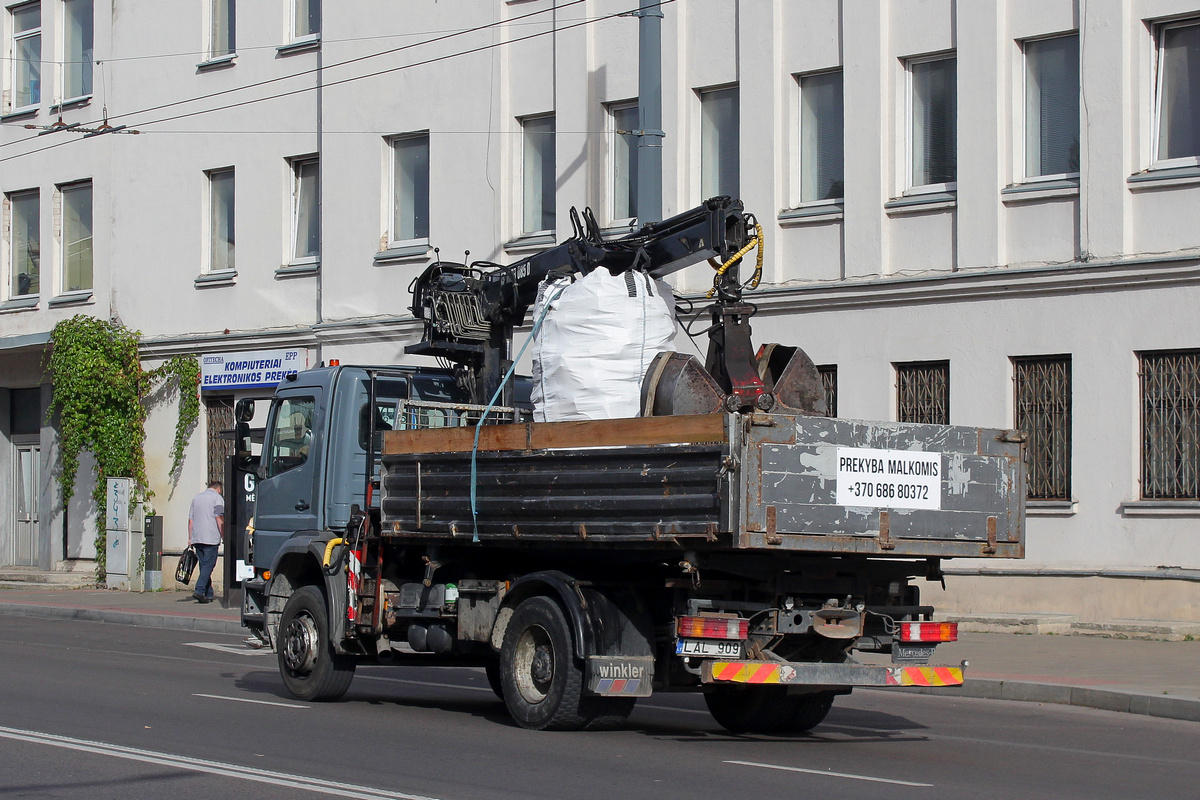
column 306, row 210
column 821, row 121
column 1052, row 106
column 1177, row 92
column 25, row 411
column 719, row 143
column 26, row 26
column 222, row 28
column 306, row 19
column 24, row 239
column 220, row 221
column 77, row 43
column 538, row 174
column 77, row 237
column 291, row 434
column 923, row 392
column 410, row 187
column 1170, row 389
column 624, row 121
column 933, row 122
column 828, row 373
column 1042, row 401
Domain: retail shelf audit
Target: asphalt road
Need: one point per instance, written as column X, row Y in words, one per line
column 94, row 711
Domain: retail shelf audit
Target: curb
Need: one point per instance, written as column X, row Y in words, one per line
column 136, row 618
column 1149, row 705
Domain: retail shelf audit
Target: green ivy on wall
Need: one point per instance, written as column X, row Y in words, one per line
column 100, row 394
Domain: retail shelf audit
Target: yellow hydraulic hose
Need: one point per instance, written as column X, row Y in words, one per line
column 329, row 550
column 758, row 268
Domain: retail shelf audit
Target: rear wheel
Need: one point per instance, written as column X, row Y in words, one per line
column 542, row 684
column 307, row 663
column 750, row 709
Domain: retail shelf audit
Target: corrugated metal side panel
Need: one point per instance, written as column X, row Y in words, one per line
column 791, row 489
column 618, row 494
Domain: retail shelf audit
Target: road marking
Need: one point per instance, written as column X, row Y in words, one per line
column 236, row 649
column 210, row 767
column 828, row 773
column 248, row 700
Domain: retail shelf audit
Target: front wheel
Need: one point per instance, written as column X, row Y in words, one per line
column 307, row 663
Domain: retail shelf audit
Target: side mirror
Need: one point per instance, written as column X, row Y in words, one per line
column 261, row 472
column 242, row 436
column 243, row 412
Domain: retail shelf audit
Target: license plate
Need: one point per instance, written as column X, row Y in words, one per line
column 708, row 647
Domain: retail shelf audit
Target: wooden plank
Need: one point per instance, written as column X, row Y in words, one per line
column 694, row 429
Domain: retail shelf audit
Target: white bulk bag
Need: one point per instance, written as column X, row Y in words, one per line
column 596, row 343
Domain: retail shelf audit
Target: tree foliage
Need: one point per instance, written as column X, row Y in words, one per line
column 100, row 394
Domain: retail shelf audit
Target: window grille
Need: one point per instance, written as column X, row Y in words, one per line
column 829, row 384
column 1042, row 395
column 923, row 392
column 220, row 436
column 1170, row 391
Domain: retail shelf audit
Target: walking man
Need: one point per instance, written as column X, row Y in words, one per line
column 206, row 529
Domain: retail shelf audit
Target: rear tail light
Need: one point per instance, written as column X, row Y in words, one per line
column 712, row 627
column 929, row 631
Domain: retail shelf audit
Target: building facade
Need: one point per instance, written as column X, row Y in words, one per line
column 976, row 213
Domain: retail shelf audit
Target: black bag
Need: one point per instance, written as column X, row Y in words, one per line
column 187, row 565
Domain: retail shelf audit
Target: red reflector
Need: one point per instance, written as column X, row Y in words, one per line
column 335, row 362
column 929, row 631
column 712, row 627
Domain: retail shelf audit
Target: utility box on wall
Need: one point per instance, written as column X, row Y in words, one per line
column 124, row 537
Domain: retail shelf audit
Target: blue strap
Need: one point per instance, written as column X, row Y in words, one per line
column 491, row 404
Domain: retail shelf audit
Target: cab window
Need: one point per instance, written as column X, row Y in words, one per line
column 291, row 434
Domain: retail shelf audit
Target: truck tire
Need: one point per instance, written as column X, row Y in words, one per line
column 307, row 663
column 543, row 684
column 808, row 711
column 750, row 709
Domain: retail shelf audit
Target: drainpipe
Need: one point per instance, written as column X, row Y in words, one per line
column 320, row 195
column 650, row 134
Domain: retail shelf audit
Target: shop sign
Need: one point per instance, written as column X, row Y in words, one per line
column 254, row 369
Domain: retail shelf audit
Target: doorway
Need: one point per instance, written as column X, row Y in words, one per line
column 27, row 464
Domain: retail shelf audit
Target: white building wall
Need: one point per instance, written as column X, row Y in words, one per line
column 1101, row 271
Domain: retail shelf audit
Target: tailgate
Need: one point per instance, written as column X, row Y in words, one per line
column 813, row 483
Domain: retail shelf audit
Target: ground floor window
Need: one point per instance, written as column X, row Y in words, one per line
column 923, row 392
column 1170, row 398
column 220, row 435
column 1042, row 402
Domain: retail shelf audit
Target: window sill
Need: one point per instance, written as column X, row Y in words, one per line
column 292, row 48
column 72, row 103
column 1051, row 508
column 225, row 277
column 400, row 254
column 619, row 228
column 920, row 203
column 29, row 303
column 1040, row 190
column 220, row 62
column 72, row 298
column 298, row 270
column 1162, row 178
column 813, row 212
column 20, row 113
column 1160, row 508
column 530, row 242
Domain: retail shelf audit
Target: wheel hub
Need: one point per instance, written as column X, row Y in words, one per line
column 300, row 644
column 534, row 665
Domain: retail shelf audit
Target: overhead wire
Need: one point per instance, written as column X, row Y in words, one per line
column 328, row 84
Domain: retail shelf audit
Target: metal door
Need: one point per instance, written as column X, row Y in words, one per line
column 286, row 498
column 28, row 478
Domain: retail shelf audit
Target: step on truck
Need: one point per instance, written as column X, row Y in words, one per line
column 727, row 537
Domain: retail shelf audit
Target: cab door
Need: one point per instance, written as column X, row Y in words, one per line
column 287, row 498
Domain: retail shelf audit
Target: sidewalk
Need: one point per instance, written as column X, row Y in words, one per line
column 1154, row 678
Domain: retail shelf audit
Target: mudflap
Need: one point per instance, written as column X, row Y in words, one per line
column 620, row 676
